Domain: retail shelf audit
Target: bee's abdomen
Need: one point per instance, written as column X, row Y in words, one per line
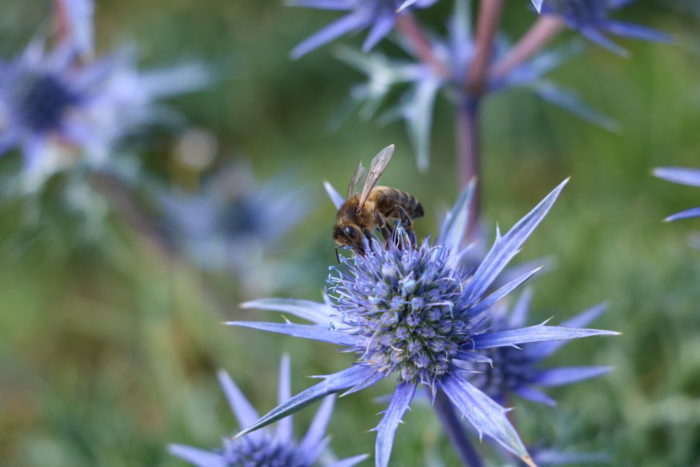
column 386, row 200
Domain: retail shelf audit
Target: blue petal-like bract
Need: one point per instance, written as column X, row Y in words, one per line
column 399, row 404
column 485, row 415
column 507, row 246
column 537, row 333
column 318, row 333
column 331, row 384
column 680, row 175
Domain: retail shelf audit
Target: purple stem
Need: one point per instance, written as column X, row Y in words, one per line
column 455, row 431
column 468, row 153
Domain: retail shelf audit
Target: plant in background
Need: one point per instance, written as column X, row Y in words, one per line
column 683, row 176
column 233, row 223
column 417, row 316
column 264, row 448
column 59, row 110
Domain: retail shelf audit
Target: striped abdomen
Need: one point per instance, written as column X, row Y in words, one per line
column 386, row 200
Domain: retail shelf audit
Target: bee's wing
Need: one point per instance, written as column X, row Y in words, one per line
column 352, row 188
column 376, row 169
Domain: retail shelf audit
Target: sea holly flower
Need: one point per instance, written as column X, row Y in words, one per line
column 420, row 318
column 234, row 221
column 517, row 370
column 53, row 106
column 265, row 448
column 422, row 82
column 684, row 176
column 379, row 16
column 590, row 18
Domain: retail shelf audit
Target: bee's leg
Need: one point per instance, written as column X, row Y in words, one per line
column 384, row 228
column 368, row 236
column 407, row 224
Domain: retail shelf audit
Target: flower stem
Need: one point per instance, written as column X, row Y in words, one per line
column 486, row 29
column 417, row 40
column 468, row 153
column 544, row 30
column 455, row 431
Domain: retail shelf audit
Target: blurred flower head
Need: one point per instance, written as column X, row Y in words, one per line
column 590, row 18
column 517, row 370
column 422, row 82
column 377, row 15
column 683, row 176
column 416, row 315
column 58, row 109
column 265, row 448
column 234, row 221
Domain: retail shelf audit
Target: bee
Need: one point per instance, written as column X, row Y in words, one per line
column 370, row 210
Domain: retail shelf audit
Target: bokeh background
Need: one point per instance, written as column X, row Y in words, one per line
column 108, row 350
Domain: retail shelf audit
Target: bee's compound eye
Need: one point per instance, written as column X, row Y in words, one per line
column 350, row 232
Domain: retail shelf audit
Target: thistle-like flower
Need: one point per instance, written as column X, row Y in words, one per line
column 517, row 370
column 423, row 82
column 419, row 317
column 377, row 15
column 684, row 176
column 590, row 18
column 264, row 448
column 234, row 221
column 50, row 100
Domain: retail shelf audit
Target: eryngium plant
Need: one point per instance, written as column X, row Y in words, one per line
column 416, row 315
column 265, row 448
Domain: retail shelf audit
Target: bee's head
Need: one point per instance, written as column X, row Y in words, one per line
column 348, row 235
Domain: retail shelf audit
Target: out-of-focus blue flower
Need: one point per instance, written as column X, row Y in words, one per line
column 75, row 16
column 264, row 448
column 455, row 52
column 590, row 18
column 417, row 316
column 234, row 221
column 377, row 15
column 517, row 370
column 54, row 107
column 686, row 177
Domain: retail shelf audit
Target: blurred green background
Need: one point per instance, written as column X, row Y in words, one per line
column 109, row 352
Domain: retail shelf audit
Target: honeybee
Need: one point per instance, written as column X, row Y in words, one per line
column 373, row 207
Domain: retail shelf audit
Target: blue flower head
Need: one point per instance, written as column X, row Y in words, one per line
column 52, row 102
column 377, row 15
column 517, row 370
column 684, row 176
column 416, row 316
column 590, row 18
column 234, row 220
column 420, row 83
column 265, row 448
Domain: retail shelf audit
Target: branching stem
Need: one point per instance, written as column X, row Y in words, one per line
column 455, row 431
